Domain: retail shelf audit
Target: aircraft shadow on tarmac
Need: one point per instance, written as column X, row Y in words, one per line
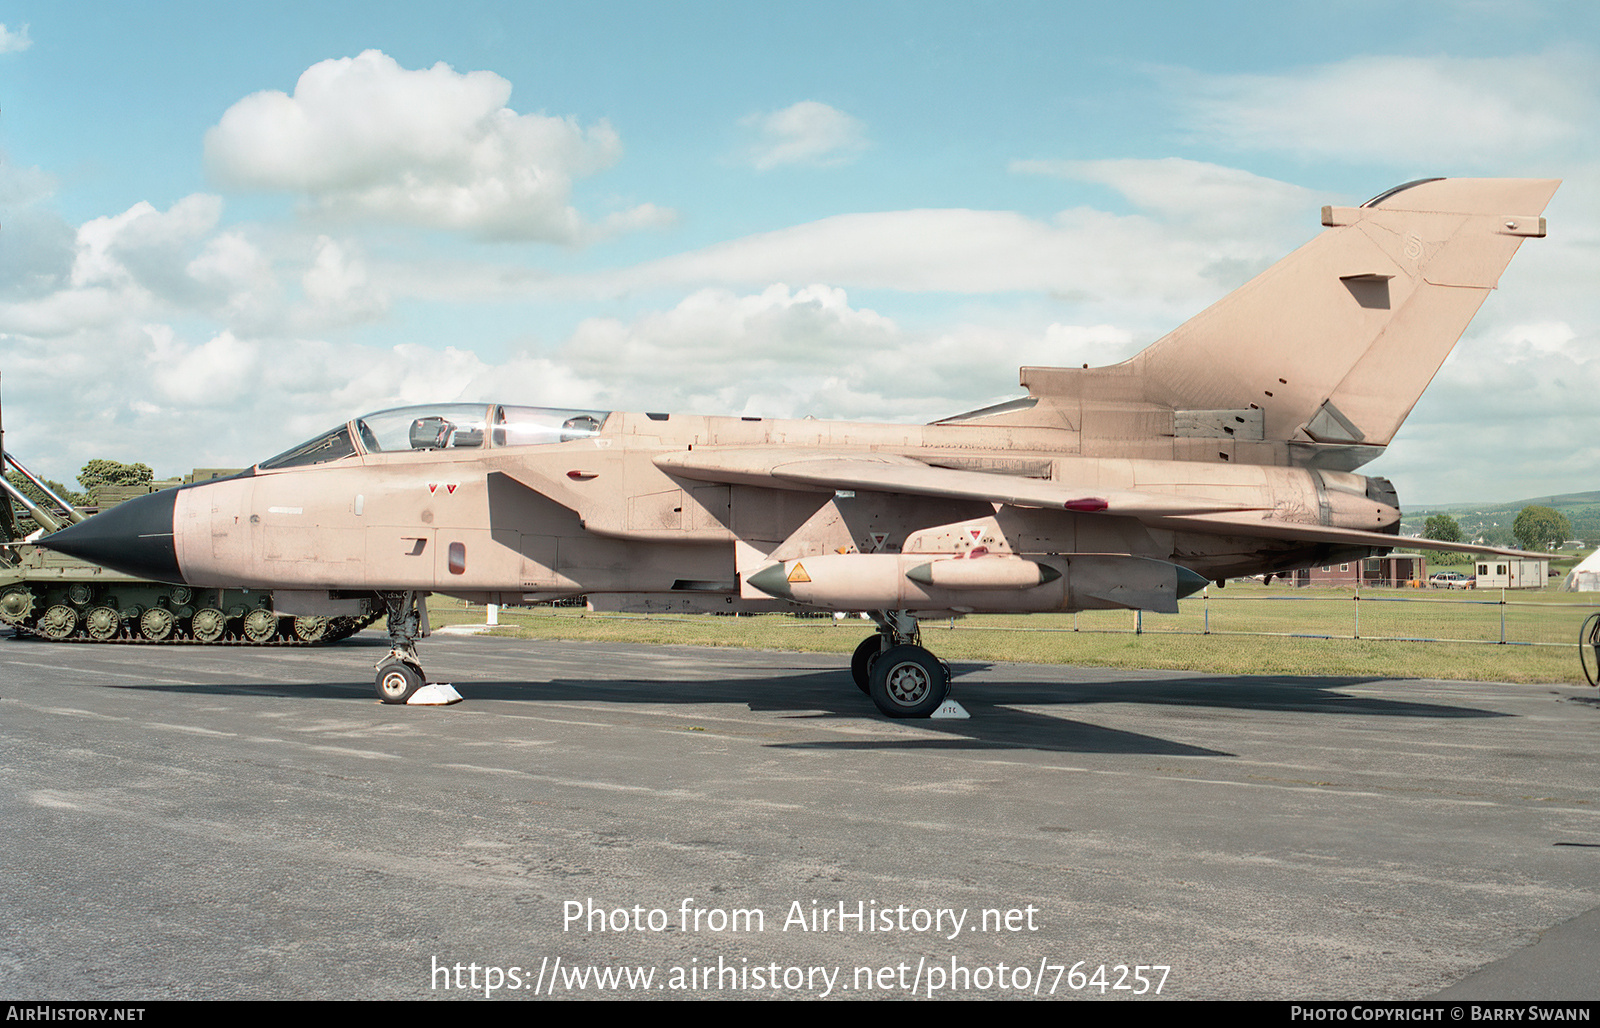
column 996, row 723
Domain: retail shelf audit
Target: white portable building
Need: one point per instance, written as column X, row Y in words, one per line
column 1512, row 573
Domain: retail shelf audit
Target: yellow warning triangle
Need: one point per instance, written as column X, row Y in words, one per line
column 799, row 574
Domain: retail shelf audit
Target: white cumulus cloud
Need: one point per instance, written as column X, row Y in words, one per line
column 362, row 137
column 147, row 265
column 14, row 41
column 143, row 244
column 1224, row 203
column 791, row 352
column 337, row 283
column 1511, row 415
column 150, row 392
column 808, row 132
column 1199, row 231
column 1427, row 112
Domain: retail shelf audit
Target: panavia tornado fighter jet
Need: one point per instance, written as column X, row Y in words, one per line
column 1227, row 448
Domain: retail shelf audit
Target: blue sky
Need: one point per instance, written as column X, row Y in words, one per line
column 226, row 227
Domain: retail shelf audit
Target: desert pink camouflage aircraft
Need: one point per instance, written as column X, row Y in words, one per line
column 1227, row 448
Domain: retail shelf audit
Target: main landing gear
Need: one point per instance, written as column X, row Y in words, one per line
column 400, row 672
column 903, row 679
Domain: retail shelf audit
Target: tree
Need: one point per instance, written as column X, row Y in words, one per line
column 22, row 523
column 1498, row 535
column 1540, row 528
column 109, row 472
column 1442, row 527
column 96, row 473
column 1447, row 529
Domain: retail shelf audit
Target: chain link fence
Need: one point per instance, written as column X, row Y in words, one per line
column 1498, row 617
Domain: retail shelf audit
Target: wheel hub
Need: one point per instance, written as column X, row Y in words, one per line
column 395, row 683
column 908, row 684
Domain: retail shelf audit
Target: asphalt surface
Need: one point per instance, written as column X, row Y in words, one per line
column 231, row 823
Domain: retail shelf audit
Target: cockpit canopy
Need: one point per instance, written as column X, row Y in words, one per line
column 443, row 426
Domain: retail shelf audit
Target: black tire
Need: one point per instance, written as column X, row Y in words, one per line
column 908, row 681
column 1589, row 648
column 396, row 681
column 862, row 660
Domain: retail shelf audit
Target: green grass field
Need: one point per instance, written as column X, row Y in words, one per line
column 1388, row 622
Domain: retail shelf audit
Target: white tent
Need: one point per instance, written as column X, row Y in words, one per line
column 1585, row 578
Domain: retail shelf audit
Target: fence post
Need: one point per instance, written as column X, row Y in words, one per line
column 1205, row 598
column 1138, row 622
column 1358, row 610
column 1502, row 615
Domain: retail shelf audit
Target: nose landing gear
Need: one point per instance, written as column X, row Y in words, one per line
column 399, row 673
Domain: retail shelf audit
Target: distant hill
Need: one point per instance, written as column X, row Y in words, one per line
column 1582, row 509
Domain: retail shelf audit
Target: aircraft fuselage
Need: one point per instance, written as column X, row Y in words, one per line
column 598, row 515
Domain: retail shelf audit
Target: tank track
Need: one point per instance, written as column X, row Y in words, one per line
column 339, row 628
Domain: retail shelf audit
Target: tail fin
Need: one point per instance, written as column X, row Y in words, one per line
column 1329, row 349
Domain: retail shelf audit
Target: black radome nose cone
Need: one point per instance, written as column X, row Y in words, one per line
column 133, row 537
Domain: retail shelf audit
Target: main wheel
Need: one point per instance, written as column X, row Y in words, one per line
column 58, row 622
column 259, row 626
column 157, row 623
column 102, row 623
column 908, row 681
column 397, row 681
column 862, row 660
column 208, row 624
column 310, row 629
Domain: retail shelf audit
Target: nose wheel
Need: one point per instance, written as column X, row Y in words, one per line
column 397, row 680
